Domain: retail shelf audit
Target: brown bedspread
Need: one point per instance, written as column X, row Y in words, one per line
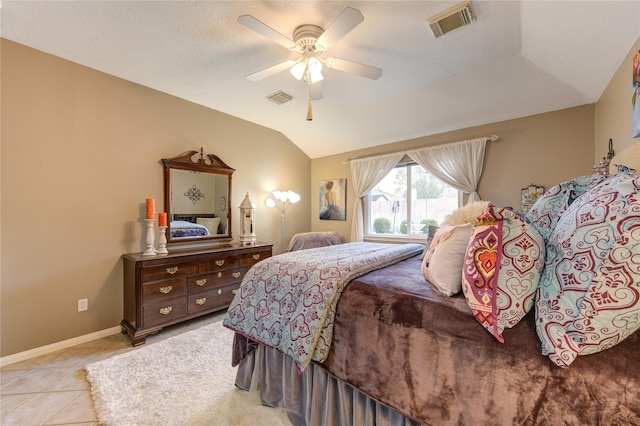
column 402, row 343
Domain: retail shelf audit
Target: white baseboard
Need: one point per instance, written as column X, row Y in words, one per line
column 43, row 350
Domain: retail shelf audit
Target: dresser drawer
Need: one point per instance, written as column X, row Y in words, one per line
column 220, row 297
column 217, row 262
column 250, row 259
column 169, row 270
column 167, row 311
column 163, row 290
column 219, row 279
column 160, row 291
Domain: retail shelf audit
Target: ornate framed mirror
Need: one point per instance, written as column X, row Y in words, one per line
column 197, row 197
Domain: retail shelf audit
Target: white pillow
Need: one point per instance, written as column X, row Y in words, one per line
column 211, row 223
column 442, row 265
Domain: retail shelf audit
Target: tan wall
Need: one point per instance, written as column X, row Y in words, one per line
column 80, row 153
column 544, row 149
column 613, row 110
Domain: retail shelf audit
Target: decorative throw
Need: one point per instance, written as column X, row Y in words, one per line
column 589, row 294
column 502, row 268
column 288, row 301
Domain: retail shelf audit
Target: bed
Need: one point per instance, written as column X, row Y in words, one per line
column 402, row 351
column 193, row 225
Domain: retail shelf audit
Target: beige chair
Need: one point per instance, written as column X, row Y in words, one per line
column 307, row 240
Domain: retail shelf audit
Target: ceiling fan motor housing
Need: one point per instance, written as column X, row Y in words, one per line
column 305, row 37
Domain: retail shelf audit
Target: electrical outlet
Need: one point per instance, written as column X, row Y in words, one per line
column 83, row 305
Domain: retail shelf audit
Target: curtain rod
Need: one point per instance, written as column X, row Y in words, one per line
column 491, row 138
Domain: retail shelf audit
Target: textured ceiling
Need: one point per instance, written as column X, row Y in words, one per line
column 517, row 58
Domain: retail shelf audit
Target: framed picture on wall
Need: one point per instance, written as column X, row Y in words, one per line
column 635, row 96
column 333, row 199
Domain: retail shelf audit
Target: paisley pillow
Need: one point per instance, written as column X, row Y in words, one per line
column 588, row 299
column 502, row 267
column 546, row 212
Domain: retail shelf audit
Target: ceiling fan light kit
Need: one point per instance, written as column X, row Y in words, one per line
column 310, row 42
column 309, row 68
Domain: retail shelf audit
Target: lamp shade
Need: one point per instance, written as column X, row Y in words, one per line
column 294, row 197
column 282, row 200
column 284, row 197
column 299, row 69
column 315, row 70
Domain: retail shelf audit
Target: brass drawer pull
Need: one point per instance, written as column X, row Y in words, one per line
column 172, row 270
column 235, row 290
column 256, row 256
column 219, row 274
column 201, row 301
column 220, row 262
column 166, row 290
column 166, row 311
column 219, row 291
column 201, row 282
column 237, row 274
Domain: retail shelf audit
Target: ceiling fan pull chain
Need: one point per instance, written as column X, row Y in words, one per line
column 309, row 111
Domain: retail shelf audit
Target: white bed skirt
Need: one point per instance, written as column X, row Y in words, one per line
column 313, row 397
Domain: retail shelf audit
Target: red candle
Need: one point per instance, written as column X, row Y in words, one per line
column 162, row 219
column 151, row 208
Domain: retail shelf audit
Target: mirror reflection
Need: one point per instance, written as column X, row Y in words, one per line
column 197, row 197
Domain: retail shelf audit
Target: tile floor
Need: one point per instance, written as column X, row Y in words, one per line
column 52, row 389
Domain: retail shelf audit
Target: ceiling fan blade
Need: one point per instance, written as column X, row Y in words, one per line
column 315, row 91
column 261, row 28
column 354, row 68
column 268, row 72
column 345, row 22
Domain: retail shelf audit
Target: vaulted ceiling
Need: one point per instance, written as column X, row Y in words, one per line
column 517, row 58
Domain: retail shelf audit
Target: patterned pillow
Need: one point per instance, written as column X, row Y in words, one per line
column 546, row 211
column 624, row 169
column 588, row 299
column 442, row 265
column 502, row 267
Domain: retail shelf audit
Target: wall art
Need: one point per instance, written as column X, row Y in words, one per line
column 635, row 97
column 333, row 199
column 194, row 194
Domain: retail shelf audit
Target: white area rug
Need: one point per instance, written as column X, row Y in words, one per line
column 183, row 380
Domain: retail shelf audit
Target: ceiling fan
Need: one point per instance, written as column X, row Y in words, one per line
column 311, row 42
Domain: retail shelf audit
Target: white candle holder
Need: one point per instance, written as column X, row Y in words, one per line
column 162, row 241
column 150, row 239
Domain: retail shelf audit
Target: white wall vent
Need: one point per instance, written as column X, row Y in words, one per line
column 279, row 97
column 455, row 17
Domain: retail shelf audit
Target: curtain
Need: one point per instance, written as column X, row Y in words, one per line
column 458, row 164
column 366, row 173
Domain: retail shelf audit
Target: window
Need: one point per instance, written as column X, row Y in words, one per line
column 407, row 201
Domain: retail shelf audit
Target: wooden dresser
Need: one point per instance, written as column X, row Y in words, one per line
column 164, row 290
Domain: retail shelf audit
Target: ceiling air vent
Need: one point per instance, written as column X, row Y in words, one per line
column 451, row 19
column 279, row 97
